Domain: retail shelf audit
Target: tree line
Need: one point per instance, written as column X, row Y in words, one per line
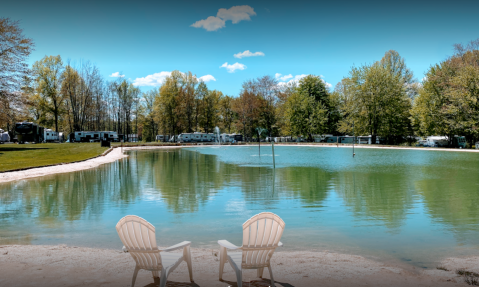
column 381, row 99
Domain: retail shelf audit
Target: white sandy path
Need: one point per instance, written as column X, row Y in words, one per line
column 112, row 156
column 36, row 265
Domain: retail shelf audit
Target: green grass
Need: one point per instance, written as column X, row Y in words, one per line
column 15, row 156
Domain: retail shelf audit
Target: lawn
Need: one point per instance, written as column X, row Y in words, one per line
column 15, row 156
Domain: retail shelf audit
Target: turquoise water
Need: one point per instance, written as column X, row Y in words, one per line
column 408, row 205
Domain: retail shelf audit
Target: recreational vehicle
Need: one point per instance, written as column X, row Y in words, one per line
column 29, row 132
column 93, row 136
column 162, row 138
column 51, row 136
column 4, row 136
column 459, row 142
column 436, row 141
column 366, row 139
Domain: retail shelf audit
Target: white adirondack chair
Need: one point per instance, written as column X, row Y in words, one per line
column 138, row 236
column 261, row 235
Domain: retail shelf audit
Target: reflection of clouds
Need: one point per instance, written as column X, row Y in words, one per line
column 236, row 206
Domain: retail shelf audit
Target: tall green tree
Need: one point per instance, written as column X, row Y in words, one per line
column 375, row 100
column 14, row 51
column 48, row 73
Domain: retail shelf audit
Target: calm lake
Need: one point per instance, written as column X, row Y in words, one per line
column 411, row 206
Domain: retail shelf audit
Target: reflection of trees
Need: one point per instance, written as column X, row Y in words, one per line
column 183, row 179
column 57, row 198
column 311, row 184
column 451, row 197
column 382, row 196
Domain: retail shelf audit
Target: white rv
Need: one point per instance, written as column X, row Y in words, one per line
column 94, row 136
column 436, row 141
column 4, row 136
column 51, row 136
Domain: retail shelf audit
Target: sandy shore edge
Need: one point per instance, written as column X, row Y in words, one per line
column 114, row 155
column 61, row 265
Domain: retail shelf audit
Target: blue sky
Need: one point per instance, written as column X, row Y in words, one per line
column 143, row 38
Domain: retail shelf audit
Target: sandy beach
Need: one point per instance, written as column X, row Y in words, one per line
column 36, row 265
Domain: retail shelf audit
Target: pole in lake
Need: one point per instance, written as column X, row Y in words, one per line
column 272, row 146
column 354, row 138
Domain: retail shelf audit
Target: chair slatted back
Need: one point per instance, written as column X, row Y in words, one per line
column 261, row 235
column 138, row 236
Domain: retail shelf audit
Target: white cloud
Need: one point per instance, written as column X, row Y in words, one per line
column 210, row 24
column 283, row 79
column 247, row 53
column 207, row 78
column 153, row 80
column 157, row 79
column 234, row 14
column 116, row 75
column 232, row 68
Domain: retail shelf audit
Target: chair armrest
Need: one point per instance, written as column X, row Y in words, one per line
column 177, row 246
column 280, row 244
column 227, row 244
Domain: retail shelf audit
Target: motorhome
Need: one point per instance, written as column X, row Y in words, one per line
column 162, row 138
column 366, row 139
column 436, row 141
column 51, row 136
column 93, row 136
column 4, row 136
column 320, row 138
column 29, row 132
column 459, row 142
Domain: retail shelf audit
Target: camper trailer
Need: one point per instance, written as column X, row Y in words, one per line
column 436, row 141
column 162, row 138
column 94, row 136
column 51, row 136
column 459, row 142
column 29, row 132
column 4, row 136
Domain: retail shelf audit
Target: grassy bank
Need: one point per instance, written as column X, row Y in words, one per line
column 13, row 156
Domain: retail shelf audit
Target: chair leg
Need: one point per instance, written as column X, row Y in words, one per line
column 164, row 277
column 271, row 275
column 239, row 278
column 260, row 272
column 134, row 276
column 187, row 257
column 222, row 261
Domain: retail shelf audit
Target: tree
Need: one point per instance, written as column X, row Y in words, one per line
column 48, row 77
column 308, row 107
column 226, row 112
column 448, row 101
column 375, row 99
column 14, row 72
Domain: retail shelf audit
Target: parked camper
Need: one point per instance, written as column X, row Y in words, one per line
column 29, row 132
column 436, row 141
column 162, row 138
column 366, row 139
column 459, row 142
column 4, row 136
column 93, row 136
column 51, row 136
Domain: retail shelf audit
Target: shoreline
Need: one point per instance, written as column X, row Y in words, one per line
column 55, row 265
column 112, row 156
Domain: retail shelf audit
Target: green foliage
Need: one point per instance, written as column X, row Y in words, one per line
column 448, row 103
column 375, row 98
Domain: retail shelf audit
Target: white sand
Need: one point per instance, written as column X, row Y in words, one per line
column 35, row 265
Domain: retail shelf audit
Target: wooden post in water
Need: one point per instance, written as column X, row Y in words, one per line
column 354, row 138
column 272, row 146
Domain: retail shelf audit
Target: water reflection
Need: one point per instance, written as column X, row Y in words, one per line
column 393, row 201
